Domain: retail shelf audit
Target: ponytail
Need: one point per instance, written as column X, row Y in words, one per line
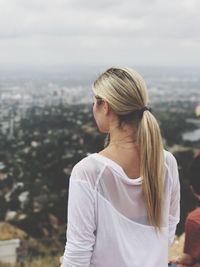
column 151, row 167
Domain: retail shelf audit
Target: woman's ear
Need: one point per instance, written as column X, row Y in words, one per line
column 106, row 107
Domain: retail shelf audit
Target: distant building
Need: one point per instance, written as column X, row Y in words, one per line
column 8, row 251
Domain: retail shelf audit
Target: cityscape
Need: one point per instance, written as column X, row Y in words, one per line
column 46, row 126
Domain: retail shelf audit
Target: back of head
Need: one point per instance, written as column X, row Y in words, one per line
column 123, row 88
column 125, row 91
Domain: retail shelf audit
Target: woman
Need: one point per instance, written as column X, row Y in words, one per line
column 123, row 201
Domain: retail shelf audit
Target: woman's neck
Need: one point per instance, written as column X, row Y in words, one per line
column 124, row 134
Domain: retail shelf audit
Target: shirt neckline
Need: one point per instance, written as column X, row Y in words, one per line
column 118, row 168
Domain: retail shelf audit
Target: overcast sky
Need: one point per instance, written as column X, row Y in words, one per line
column 99, row 32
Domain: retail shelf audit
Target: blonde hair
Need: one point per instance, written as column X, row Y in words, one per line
column 125, row 91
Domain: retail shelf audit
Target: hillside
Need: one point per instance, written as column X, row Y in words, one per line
column 37, row 157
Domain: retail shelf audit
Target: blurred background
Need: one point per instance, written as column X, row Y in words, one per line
column 50, row 53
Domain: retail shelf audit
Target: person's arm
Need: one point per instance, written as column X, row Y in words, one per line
column 81, row 221
column 174, row 212
column 192, row 238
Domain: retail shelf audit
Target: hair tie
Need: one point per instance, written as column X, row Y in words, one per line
column 141, row 111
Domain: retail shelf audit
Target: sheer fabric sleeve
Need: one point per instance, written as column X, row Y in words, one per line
column 81, row 221
column 174, row 212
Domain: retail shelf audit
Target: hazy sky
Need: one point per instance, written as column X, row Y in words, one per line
column 93, row 32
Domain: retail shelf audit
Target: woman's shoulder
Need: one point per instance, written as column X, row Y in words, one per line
column 88, row 163
column 171, row 168
column 87, row 169
column 169, row 158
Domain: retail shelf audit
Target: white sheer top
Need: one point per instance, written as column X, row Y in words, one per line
column 107, row 219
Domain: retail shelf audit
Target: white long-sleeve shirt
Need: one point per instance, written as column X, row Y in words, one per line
column 107, row 218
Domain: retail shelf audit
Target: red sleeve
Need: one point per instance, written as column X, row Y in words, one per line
column 192, row 238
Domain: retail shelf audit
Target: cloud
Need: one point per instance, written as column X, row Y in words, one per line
column 53, row 32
